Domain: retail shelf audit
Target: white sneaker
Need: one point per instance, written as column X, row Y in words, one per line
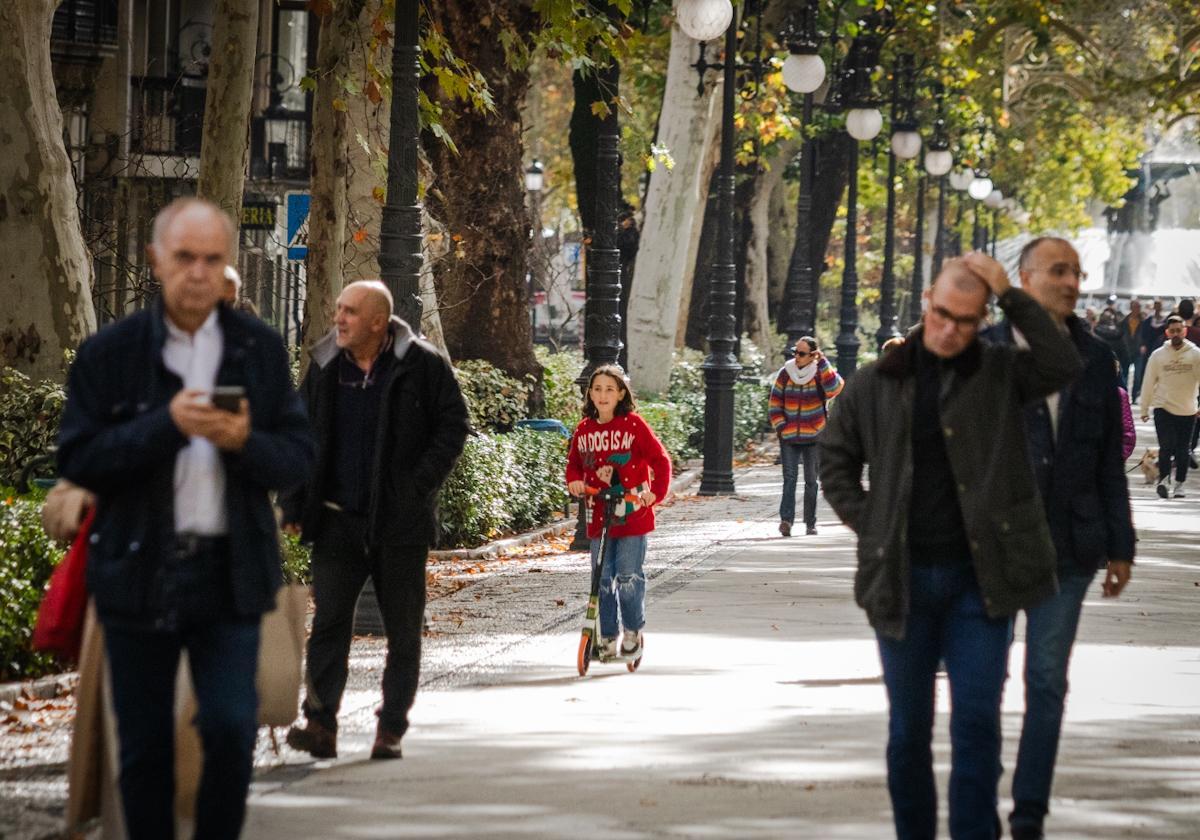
column 631, row 642
column 608, row 648
column 1161, row 489
column 1178, row 494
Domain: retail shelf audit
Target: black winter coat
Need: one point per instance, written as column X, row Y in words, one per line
column 982, row 398
column 1081, row 475
column 117, row 439
column 422, row 429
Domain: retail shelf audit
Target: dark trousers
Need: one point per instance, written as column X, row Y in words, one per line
column 341, row 563
column 1139, row 373
column 1050, row 629
column 223, row 656
column 946, row 622
column 1174, row 440
column 793, row 455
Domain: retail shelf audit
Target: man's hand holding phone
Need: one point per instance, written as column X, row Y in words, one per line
column 222, row 417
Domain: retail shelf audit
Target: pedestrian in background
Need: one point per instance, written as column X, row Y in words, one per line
column 184, row 553
column 614, row 445
column 390, row 422
column 1130, row 325
column 798, row 409
column 952, row 538
column 1150, row 338
column 1075, row 442
column 1170, row 391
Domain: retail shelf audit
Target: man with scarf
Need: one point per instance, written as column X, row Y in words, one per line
column 798, row 409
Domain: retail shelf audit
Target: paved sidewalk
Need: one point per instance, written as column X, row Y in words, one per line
column 758, row 710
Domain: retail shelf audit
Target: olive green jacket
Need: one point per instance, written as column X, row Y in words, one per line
column 981, row 400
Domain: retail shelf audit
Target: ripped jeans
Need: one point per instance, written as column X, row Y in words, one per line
column 622, row 579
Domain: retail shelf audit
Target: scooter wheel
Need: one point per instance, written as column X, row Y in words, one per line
column 633, row 666
column 584, row 657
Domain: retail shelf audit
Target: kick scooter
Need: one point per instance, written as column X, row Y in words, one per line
column 589, row 643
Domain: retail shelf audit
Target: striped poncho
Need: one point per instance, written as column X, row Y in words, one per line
column 797, row 409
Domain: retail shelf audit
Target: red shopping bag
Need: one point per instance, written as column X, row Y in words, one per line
column 59, row 627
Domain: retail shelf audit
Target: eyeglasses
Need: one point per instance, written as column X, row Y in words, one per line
column 1062, row 270
column 965, row 323
column 803, row 354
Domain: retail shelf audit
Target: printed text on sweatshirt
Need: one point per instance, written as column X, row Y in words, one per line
column 639, row 463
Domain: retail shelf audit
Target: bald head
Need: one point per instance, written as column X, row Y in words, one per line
column 189, row 251
column 375, row 295
column 361, row 320
column 956, row 273
column 192, row 212
column 954, row 307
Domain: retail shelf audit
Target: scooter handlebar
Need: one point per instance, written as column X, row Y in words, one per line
column 609, row 493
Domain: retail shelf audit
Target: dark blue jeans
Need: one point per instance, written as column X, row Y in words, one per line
column 1049, row 636
column 223, row 656
column 792, row 455
column 946, row 622
column 1139, row 373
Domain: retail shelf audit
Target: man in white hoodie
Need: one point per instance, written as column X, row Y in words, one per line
column 1170, row 388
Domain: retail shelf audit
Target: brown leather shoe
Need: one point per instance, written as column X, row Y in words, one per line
column 314, row 739
column 387, row 744
column 785, row 528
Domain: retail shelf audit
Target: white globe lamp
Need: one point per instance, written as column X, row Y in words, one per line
column 960, row 179
column 980, row 188
column 906, row 144
column 864, row 123
column 803, row 72
column 938, row 162
column 703, row 20
column 994, row 200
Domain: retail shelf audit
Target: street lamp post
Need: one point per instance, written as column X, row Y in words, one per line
column 993, row 201
column 979, row 189
column 863, row 122
column 699, row 19
column 602, row 307
column 534, row 181
column 906, row 144
column 938, row 162
column 803, row 72
column 400, row 236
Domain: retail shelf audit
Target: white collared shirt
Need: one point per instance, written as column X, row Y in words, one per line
column 199, row 472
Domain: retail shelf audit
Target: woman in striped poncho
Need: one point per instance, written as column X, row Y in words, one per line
column 799, row 400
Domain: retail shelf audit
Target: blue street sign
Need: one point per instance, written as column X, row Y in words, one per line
column 297, row 225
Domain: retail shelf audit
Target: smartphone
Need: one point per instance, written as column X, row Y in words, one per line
column 228, row 397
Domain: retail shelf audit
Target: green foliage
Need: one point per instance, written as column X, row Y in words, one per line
column 664, row 418
column 494, row 399
column 559, row 372
column 27, row 557
column 686, row 392
column 29, row 415
column 297, row 562
column 503, row 482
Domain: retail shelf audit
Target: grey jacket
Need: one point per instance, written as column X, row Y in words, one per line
column 981, row 414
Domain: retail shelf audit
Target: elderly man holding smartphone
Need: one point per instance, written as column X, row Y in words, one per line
column 184, row 552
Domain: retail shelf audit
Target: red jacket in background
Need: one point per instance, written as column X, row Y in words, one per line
column 639, row 463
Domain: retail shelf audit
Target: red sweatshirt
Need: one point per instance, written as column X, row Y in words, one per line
column 639, row 463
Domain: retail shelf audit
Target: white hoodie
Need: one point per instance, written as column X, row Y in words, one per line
column 1172, row 379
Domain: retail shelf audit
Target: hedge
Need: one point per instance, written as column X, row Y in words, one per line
column 27, row 557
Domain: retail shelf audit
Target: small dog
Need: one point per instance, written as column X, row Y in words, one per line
column 1149, row 466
